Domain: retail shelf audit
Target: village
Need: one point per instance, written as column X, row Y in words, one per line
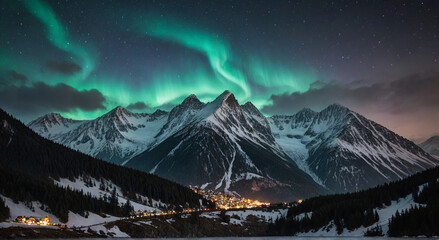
column 45, row 221
column 228, row 201
column 222, row 202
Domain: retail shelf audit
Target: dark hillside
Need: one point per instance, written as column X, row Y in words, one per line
column 22, row 149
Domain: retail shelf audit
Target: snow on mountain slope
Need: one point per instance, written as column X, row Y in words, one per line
column 348, row 152
column 228, row 147
column 232, row 117
column 53, row 124
column 289, row 131
column 239, row 122
column 179, row 117
column 431, row 146
column 114, row 137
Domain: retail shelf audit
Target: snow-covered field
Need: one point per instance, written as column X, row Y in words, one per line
column 76, row 220
column 237, row 217
column 21, row 209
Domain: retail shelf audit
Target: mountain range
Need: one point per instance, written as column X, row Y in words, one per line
column 234, row 148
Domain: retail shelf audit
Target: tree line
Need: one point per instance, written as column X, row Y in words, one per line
column 418, row 220
column 4, row 210
column 353, row 210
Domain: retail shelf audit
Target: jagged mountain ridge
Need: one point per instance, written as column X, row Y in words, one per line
column 53, row 124
column 115, row 136
column 224, row 147
column 227, row 146
column 347, row 152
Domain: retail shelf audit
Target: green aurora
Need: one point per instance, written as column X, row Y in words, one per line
column 250, row 77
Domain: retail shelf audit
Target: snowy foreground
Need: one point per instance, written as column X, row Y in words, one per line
column 237, row 218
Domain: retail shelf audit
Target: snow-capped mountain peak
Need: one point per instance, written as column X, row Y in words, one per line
column 119, row 117
column 52, row 124
column 191, row 102
column 179, row 117
column 52, row 119
column 224, row 102
column 238, row 121
column 189, row 107
column 226, row 97
column 192, row 111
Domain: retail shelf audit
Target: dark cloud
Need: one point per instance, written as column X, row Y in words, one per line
column 403, row 95
column 409, row 106
column 63, row 67
column 12, row 77
column 137, row 106
column 413, row 93
column 40, row 98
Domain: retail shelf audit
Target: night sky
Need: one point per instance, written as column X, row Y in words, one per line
column 83, row 58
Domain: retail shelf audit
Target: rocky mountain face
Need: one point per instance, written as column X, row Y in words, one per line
column 431, row 146
column 345, row 151
column 226, row 146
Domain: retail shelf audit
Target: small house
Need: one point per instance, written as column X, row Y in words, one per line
column 20, row 219
column 31, row 220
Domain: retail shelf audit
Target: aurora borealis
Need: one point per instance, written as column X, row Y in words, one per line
column 83, row 58
column 58, row 36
